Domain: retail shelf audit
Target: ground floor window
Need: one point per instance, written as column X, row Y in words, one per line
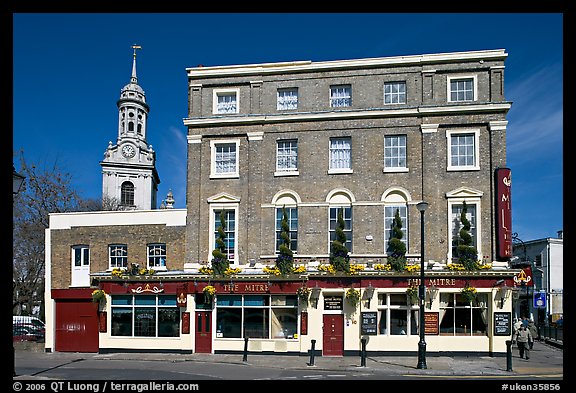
column 459, row 317
column 145, row 316
column 396, row 315
column 256, row 316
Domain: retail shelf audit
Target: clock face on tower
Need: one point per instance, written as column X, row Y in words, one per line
column 128, row 151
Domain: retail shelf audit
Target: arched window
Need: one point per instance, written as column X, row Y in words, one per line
column 127, row 194
column 395, row 200
column 131, row 126
column 340, row 201
column 287, row 201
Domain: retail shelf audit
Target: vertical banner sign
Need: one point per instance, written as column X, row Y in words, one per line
column 504, row 212
column 181, row 295
column 304, row 323
column 185, row 323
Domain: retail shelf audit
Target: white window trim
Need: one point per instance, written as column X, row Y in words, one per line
column 391, row 83
column 217, row 92
column 339, row 205
column 474, row 78
column 339, row 171
column 449, row 134
column 295, row 89
column 156, row 268
column 286, row 172
column 231, row 175
column 469, row 201
column 398, row 169
column 212, row 237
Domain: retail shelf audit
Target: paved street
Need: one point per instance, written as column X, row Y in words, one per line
column 546, row 363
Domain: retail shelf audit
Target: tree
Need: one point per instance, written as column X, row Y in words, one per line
column 47, row 189
column 220, row 261
column 339, row 257
column 285, row 259
column 396, row 247
column 466, row 253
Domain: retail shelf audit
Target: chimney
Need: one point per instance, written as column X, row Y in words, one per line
column 560, row 234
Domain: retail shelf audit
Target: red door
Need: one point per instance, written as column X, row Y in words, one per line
column 333, row 340
column 76, row 326
column 203, row 332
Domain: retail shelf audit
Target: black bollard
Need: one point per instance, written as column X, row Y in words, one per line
column 508, row 355
column 312, row 352
column 363, row 353
column 245, row 357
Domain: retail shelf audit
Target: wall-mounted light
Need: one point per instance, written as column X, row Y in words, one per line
column 432, row 293
column 315, row 295
column 504, row 293
column 369, row 292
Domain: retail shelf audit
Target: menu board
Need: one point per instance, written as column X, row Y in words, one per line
column 431, row 323
column 502, row 323
column 369, row 323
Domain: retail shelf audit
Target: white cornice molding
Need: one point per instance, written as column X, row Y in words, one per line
column 194, row 139
column 317, row 116
column 168, row 217
column 300, row 66
column 498, row 125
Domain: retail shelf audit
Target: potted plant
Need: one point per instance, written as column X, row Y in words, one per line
column 469, row 293
column 209, row 292
column 353, row 296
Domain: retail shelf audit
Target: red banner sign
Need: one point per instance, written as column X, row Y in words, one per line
column 504, row 212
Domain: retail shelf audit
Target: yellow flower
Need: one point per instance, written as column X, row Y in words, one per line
column 209, row 290
column 380, row 266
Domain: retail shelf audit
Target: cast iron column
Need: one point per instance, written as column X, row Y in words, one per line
column 422, row 206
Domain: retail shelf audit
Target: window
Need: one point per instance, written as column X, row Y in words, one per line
column 256, row 316
column 229, row 232
column 127, row 194
column 457, row 225
column 347, row 217
column 461, row 318
column 340, row 155
column 145, row 316
column 397, row 317
column 394, row 93
column 81, row 256
column 224, row 158
column 287, row 156
column 394, row 153
column 461, row 88
column 389, row 214
column 226, row 101
column 292, row 217
column 340, row 96
column 118, row 256
column 157, row 256
column 287, row 99
column 463, row 149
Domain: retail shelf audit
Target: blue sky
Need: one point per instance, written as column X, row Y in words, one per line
column 69, row 69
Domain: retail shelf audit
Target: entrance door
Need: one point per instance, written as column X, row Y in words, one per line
column 80, row 266
column 76, row 326
column 203, row 332
column 333, row 335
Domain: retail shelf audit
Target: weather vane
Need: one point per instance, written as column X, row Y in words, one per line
column 136, row 47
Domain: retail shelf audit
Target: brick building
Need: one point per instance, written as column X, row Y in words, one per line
column 363, row 139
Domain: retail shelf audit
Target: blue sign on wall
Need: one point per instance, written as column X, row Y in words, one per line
column 539, row 299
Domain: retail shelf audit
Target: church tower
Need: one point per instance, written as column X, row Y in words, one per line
column 129, row 176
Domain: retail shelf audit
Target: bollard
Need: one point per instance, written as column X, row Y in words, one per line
column 508, row 355
column 312, row 351
column 14, row 360
column 245, row 357
column 363, row 353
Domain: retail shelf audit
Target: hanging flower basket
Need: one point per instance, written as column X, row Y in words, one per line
column 412, row 294
column 99, row 297
column 469, row 294
column 209, row 292
column 353, row 296
column 303, row 294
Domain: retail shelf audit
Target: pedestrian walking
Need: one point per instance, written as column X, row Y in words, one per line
column 533, row 329
column 522, row 338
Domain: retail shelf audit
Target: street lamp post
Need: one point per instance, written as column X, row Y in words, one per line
column 422, row 206
column 17, row 181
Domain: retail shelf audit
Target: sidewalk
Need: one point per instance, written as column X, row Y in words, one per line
column 546, row 361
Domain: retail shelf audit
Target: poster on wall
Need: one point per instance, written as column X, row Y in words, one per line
column 502, row 324
column 369, row 323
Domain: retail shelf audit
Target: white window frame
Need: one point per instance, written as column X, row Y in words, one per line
column 390, row 83
column 286, row 171
column 405, row 228
column 474, row 78
column 396, row 168
column 153, row 246
column 347, row 99
column 278, row 231
column 221, row 92
column 212, row 236
column 333, row 171
column 227, row 175
column 387, row 308
column 283, row 104
column 115, row 245
column 449, row 134
column 478, row 230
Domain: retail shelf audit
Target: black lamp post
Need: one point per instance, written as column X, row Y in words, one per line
column 422, row 206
